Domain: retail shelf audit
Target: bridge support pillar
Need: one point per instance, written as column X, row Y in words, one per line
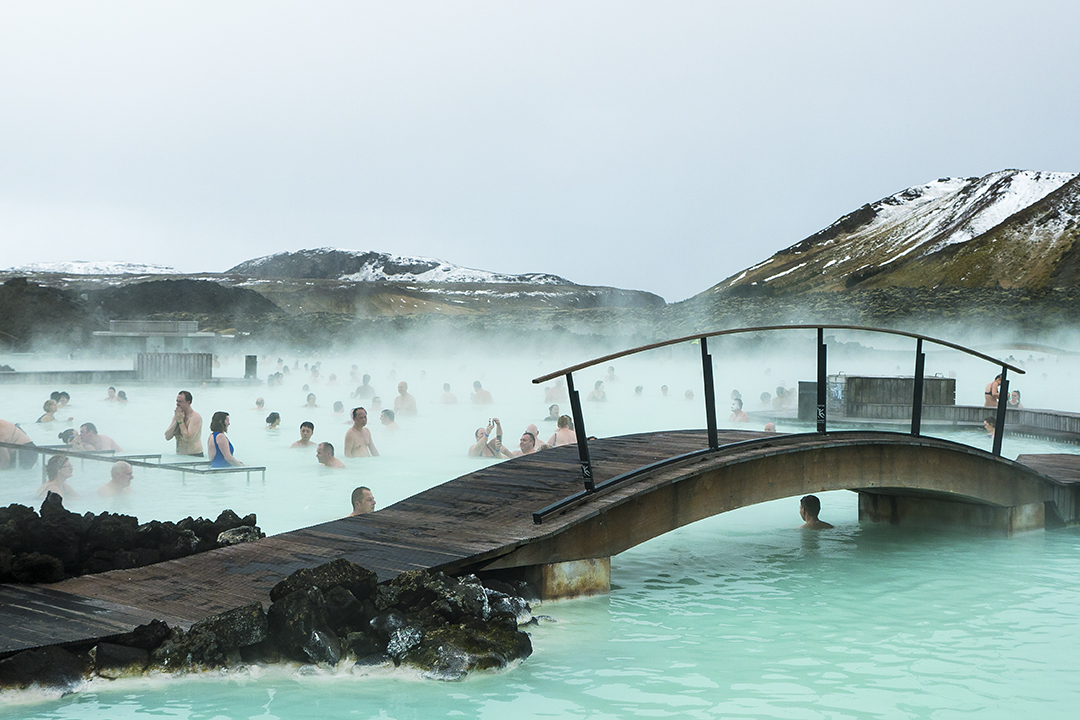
column 571, row 579
column 922, row 511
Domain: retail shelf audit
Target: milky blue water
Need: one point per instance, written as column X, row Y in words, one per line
column 741, row 615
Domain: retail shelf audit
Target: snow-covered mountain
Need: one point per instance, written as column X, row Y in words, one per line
column 357, row 266
column 1011, row 228
column 93, row 267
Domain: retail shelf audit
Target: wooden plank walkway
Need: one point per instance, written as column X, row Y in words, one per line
column 453, row 526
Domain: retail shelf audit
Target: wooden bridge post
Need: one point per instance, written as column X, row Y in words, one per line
column 822, row 380
column 710, row 395
column 1003, row 402
column 579, row 428
column 916, row 400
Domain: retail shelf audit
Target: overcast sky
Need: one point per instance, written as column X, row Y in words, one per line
column 660, row 146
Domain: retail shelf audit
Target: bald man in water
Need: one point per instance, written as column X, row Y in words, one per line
column 120, row 482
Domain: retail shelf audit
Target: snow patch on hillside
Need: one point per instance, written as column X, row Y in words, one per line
column 94, row 267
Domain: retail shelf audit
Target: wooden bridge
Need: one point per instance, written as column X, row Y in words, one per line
column 557, row 517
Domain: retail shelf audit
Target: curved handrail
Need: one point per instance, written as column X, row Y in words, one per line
column 716, row 333
column 822, row 381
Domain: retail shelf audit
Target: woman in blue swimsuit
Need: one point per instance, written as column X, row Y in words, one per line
column 219, row 448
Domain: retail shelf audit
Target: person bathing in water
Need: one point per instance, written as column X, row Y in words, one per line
column 218, row 447
column 307, row 429
column 186, row 427
column 809, row 509
column 486, row 446
column 358, row 441
column 564, row 435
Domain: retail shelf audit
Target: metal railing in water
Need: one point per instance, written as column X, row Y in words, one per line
column 710, row 398
column 195, row 467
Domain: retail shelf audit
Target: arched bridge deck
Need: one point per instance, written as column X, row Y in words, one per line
column 484, row 521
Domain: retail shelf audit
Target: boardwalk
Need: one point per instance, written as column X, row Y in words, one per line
column 458, row 526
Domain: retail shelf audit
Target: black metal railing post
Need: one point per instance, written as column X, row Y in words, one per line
column 579, row 428
column 1003, row 402
column 822, row 380
column 710, row 395
column 916, row 399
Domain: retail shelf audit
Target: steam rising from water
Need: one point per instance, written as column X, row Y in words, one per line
column 431, row 448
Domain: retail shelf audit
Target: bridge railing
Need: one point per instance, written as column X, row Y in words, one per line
column 822, row 382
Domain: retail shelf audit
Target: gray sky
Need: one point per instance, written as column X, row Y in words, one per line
column 659, row 146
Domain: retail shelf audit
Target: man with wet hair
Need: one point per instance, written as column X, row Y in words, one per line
column 90, row 440
column 307, row 429
column 358, row 438
column 325, row 455
column 528, row 443
column 186, row 427
column 363, row 501
column 809, row 509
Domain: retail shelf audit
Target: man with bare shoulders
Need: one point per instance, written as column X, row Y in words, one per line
column 809, row 509
column 528, row 444
column 307, row 429
column 358, row 438
column 404, row 403
column 90, row 440
column 186, row 427
column 363, row 501
column 120, row 482
column 480, row 396
column 12, row 433
column 325, row 455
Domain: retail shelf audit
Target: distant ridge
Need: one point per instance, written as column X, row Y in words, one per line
column 94, row 267
column 368, row 266
column 1009, row 229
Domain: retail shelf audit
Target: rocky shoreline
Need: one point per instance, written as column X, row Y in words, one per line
column 335, row 616
column 58, row 544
